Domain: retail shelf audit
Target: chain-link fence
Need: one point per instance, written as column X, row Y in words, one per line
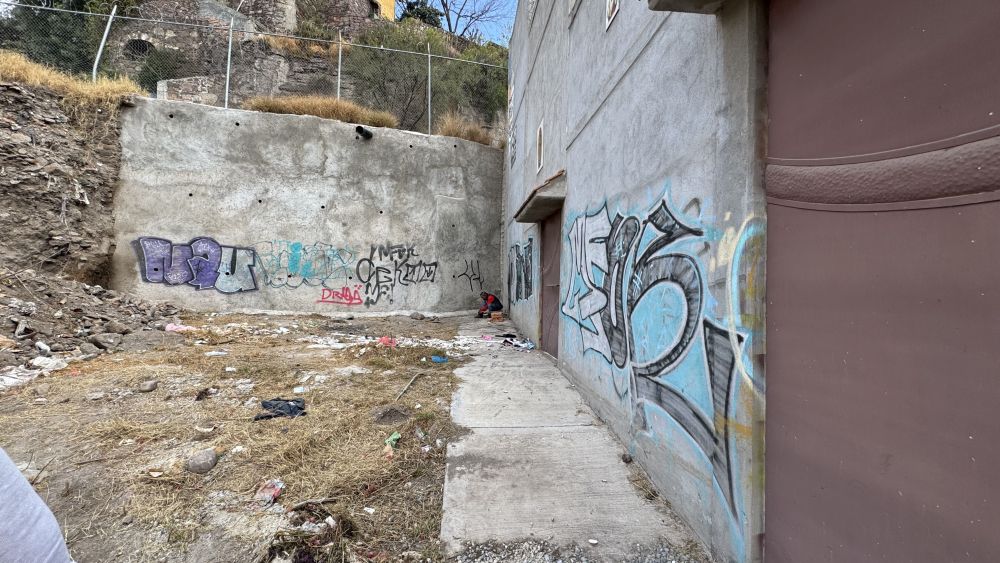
column 221, row 59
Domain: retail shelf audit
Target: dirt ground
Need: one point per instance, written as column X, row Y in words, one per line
column 111, row 461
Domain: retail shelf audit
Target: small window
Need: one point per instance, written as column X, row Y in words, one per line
column 539, row 145
column 611, row 12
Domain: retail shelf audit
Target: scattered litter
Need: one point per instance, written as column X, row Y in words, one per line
column 390, row 445
column 282, row 330
column 487, row 337
column 43, row 347
column 41, row 400
column 299, row 389
column 47, row 364
column 520, row 345
column 426, row 449
column 14, row 376
column 204, row 429
column 417, row 406
column 269, row 491
column 206, row 393
column 173, row 327
column 387, row 341
column 507, row 335
column 237, row 450
column 282, row 407
column 423, row 359
column 230, row 369
column 369, row 510
column 215, row 353
column 154, row 473
column 592, row 541
column 439, row 359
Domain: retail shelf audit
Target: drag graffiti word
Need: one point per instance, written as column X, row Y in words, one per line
column 519, row 271
column 474, row 274
column 291, row 264
column 618, row 262
column 203, row 263
column 343, row 296
column 390, row 266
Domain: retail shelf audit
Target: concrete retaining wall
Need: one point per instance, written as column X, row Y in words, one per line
column 655, row 119
column 235, row 210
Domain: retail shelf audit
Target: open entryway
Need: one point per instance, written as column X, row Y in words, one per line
column 551, row 244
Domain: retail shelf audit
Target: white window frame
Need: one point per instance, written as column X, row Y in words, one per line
column 540, row 146
column 610, row 17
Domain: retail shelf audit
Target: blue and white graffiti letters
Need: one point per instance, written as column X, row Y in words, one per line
column 519, row 271
column 474, row 274
column 639, row 299
column 203, row 263
column 390, row 266
column 292, row 264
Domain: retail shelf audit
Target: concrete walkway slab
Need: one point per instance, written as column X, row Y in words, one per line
column 537, row 465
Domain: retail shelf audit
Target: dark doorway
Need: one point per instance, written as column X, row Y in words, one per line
column 551, row 245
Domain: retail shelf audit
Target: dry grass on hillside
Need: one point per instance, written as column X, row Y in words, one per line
column 454, row 125
column 78, row 95
column 302, row 48
column 323, row 106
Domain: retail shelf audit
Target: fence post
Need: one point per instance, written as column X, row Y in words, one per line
column 104, row 40
column 229, row 60
column 428, row 88
column 340, row 59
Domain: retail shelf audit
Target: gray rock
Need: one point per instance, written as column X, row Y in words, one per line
column 95, row 396
column 116, row 327
column 148, row 386
column 43, row 348
column 43, row 328
column 87, row 348
column 106, row 341
column 417, row 316
column 202, row 461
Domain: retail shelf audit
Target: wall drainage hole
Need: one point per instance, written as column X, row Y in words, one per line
column 380, row 212
column 322, row 207
column 190, row 195
column 171, row 116
column 350, row 277
column 156, row 269
column 237, row 123
column 260, row 201
column 411, row 146
column 456, row 146
column 356, row 137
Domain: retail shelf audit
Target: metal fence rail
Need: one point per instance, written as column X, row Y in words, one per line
column 225, row 63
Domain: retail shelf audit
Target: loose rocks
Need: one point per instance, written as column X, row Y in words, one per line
column 148, row 386
column 106, row 341
column 203, row 461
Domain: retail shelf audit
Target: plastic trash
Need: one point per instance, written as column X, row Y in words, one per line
column 439, row 359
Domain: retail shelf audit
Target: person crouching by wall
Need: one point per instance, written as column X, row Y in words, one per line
column 491, row 304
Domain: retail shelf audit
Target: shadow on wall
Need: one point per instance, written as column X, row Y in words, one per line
column 638, row 300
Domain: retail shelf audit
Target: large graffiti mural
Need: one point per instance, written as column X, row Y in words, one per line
column 519, row 271
column 341, row 278
column 391, row 265
column 202, row 263
column 638, row 298
column 290, row 264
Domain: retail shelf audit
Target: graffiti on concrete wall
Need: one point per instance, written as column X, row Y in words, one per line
column 343, row 296
column 202, row 263
column 291, row 264
column 638, row 298
column 390, row 266
column 519, row 271
column 473, row 273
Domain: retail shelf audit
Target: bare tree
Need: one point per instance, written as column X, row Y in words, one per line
column 465, row 17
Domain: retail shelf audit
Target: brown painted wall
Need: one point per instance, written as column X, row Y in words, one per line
column 883, row 310
column 853, row 78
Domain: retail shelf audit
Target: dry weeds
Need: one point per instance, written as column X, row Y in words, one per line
column 452, row 124
column 304, row 48
column 323, row 106
column 78, row 95
column 334, row 453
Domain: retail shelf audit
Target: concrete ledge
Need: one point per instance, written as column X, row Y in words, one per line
column 544, row 200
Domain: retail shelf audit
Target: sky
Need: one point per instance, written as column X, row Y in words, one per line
column 500, row 32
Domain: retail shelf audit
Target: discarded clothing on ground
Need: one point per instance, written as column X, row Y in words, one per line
column 519, row 345
column 282, row 407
